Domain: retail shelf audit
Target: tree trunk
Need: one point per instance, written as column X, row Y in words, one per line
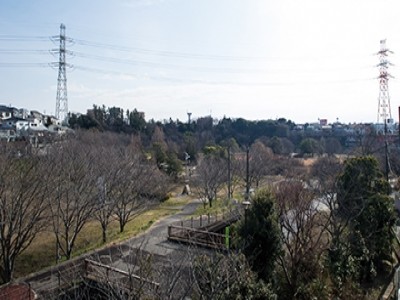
column 7, row 271
column 104, row 231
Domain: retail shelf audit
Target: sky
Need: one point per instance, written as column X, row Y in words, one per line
column 254, row 59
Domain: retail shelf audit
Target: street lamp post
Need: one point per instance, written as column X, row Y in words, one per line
column 246, row 205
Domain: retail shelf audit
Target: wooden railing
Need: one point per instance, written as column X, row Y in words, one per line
column 203, row 221
column 121, row 279
column 198, row 237
column 204, row 230
column 49, row 283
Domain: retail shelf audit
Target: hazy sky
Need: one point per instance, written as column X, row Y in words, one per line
column 256, row 59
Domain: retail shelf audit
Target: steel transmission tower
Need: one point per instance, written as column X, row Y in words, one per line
column 384, row 111
column 62, row 99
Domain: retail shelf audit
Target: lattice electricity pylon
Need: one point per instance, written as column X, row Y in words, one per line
column 62, row 98
column 384, row 111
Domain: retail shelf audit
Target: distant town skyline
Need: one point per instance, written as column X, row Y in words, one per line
column 256, row 59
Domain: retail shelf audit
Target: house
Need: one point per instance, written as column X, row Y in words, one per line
column 52, row 120
column 9, row 123
column 7, row 112
column 29, row 125
column 36, row 115
column 23, row 113
column 21, row 125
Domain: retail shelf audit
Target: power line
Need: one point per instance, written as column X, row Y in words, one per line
column 23, row 38
column 163, row 65
column 23, row 51
column 160, row 53
column 171, row 54
column 24, row 65
column 219, row 82
column 187, row 55
column 166, row 53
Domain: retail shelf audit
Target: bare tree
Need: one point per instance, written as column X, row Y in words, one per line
column 289, row 167
column 210, row 177
column 22, row 206
column 139, row 185
column 260, row 160
column 105, row 204
column 304, row 222
column 236, row 173
column 179, row 282
column 107, row 175
column 366, row 141
column 324, row 172
column 74, row 193
column 110, row 151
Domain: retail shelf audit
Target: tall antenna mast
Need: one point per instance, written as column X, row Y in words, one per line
column 62, row 99
column 384, row 111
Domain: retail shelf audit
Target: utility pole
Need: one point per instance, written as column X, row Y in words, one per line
column 384, row 111
column 247, row 196
column 62, row 99
column 229, row 174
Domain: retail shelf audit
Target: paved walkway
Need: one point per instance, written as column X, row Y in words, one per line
column 155, row 239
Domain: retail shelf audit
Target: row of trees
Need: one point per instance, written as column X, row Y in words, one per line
column 90, row 177
column 278, row 134
column 170, row 140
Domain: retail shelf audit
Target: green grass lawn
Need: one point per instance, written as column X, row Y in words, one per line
column 42, row 252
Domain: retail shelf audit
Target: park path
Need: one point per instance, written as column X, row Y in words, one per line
column 155, row 239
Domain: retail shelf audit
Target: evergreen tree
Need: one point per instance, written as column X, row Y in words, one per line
column 366, row 208
column 260, row 235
